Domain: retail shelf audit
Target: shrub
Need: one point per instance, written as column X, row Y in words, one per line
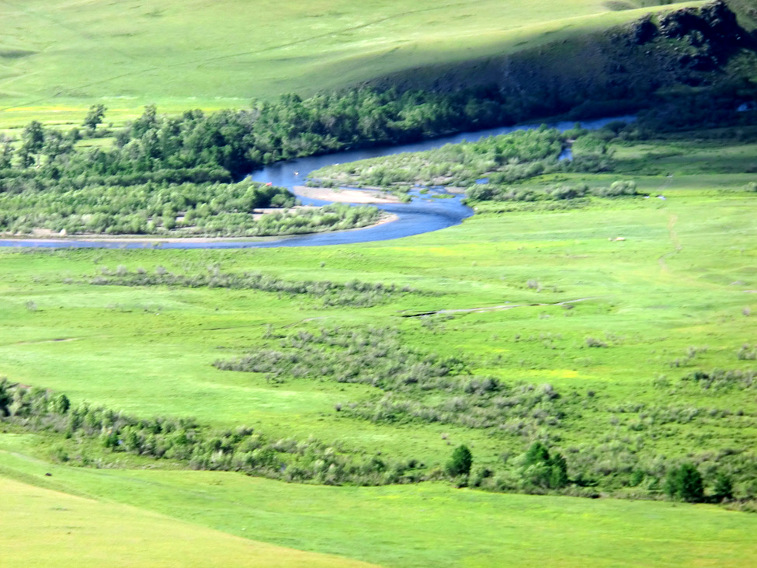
column 685, row 483
column 723, row 488
column 594, row 342
column 460, row 462
column 541, row 470
column 747, row 353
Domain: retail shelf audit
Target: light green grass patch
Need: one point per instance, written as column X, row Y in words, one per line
column 57, row 58
column 426, row 525
column 42, row 527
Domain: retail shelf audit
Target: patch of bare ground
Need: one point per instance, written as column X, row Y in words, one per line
column 365, row 196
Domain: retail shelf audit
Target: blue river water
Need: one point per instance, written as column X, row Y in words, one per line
column 423, row 214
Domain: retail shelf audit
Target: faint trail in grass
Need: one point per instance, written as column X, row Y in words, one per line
column 493, row 308
column 323, row 35
column 208, row 60
column 672, row 220
column 86, row 36
column 73, row 29
column 57, row 340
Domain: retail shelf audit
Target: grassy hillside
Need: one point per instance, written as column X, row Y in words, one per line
column 41, row 527
column 431, row 525
column 57, row 57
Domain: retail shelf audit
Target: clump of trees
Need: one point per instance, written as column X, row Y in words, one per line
column 492, row 169
column 539, row 469
column 685, row 482
column 197, row 446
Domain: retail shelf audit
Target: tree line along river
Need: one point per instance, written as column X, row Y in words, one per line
column 423, row 214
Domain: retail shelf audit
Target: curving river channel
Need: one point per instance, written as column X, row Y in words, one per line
column 422, row 215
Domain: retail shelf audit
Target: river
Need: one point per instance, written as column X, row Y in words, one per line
column 423, row 214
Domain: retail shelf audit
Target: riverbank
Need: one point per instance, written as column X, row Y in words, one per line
column 158, row 240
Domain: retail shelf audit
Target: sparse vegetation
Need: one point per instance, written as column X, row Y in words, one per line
column 353, row 293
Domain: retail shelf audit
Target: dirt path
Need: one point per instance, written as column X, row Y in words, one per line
column 57, row 340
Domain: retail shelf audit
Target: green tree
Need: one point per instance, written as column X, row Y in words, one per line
column 537, row 453
column 461, row 461
column 723, row 488
column 6, row 152
column 559, row 472
column 94, row 117
column 33, row 139
column 61, row 404
column 542, row 470
column 685, row 483
column 5, row 397
column 33, row 136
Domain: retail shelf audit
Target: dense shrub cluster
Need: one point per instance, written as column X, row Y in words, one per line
column 151, row 208
column 492, row 192
column 718, row 379
column 353, row 293
column 378, row 357
column 492, row 168
column 501, row 159
column 372, row 356
column 197, row 446
column 520, row 410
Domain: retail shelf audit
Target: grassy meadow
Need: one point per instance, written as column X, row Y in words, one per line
column 58, row 57
column 519, row 296
column 44, row 527
column 619, row 332
column 404, row 526
column 682, row 278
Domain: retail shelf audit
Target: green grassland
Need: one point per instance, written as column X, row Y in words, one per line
column 404, row 526
column 57, row 57
column 523, row 293
column 682, row 278
column 42, row 527
column 630, row 322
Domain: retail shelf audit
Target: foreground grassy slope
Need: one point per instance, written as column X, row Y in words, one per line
column 41, row 527
column 412, row 526
column 57, row 57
